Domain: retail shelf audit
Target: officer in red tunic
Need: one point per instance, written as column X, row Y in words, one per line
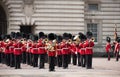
column 117, row 48
column 59, row 51
column 51, row 46
column 89, row 44
column 108, row 47
column 41, row 50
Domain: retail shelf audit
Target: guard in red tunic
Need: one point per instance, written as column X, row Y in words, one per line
column 51, row 46
column 65, row 50
column 108, row 47
column 17, row 54
column 89, row 44
column 82, row 49
column 59, row 51
column 74, row 53
column 41, row 50
column 117, row 48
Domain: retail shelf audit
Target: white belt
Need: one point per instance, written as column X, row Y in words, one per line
column 35, row 48
column 42, row 47
column 59, row 49
column 89, row 48
column 65, row 48
column 82, row 48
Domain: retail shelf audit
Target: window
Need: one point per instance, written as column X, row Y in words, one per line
column 92, row 27
column 93, row 7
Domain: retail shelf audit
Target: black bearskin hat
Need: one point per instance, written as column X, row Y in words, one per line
column 70, row 36
column 23, row 35
column 108, row 39
column 12, row 34
column 41, row 35
column 59, row 38
column 51, row 36
column 118, row 39
column 18, row 35
column 89, row 34
column 82, row 36
column 66, row 36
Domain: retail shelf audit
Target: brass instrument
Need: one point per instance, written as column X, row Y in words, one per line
column 51, row 47
column 77, row 39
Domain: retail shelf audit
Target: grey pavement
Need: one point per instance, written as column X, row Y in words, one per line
column 101, row 68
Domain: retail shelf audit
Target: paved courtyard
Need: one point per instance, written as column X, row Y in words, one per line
column 101, row 68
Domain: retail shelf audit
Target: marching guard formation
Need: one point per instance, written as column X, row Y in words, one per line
column 56, row 50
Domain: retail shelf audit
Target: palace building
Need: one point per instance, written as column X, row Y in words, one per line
column 59, row 16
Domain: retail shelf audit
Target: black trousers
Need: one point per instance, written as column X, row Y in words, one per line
column 74, row 59
column 28, row 58
column 89, row 61
column 12, row 60
column 108, row 55
column 31, row 56
column 51, row 63
column 69, row 58
column 0, row 57
column 117, row 56
column 35, row 60
column 42, row 60
column 79, row 59
column 24, row 57
column 59, row 60
column 7, row 59
column 65, row 61
column 83, row 61
column 17, row 61
column 3, row 58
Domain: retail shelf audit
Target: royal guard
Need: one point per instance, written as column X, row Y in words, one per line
column 51, row 50
column 7, row 52
column 77, row 41
column 59, row 51
column 74, row 53
column 34, row 51
column 89, row 44
column 41, row 50
column 108, row 47
column 17, row 54
column 65, row 50
column 82, row 49
column 117, row 48
column 29, row 46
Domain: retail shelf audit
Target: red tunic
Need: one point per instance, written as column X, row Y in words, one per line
column 41, row 48
column 17, row 48
column 117, row 47
column 89, row 47
column 108, row 47
column 34, row 49
column 73, row 48
column 59, row 49
column 65, row 49
column 82, row 49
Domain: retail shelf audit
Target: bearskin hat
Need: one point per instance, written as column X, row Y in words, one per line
column 35, row 37
column 41, row 35
column 8, row 37
column 18, row 35
column 108, row 39
column 82, row 36
column 66, row 36
column 23, row 35
column 12, row 34
column 51, row 36
column 118, row 39
column 2, row 37
column 70, row 36
column 59, row 38
column 89, row 34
